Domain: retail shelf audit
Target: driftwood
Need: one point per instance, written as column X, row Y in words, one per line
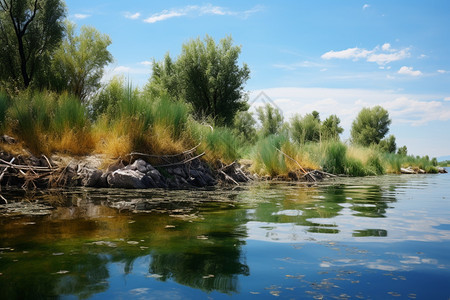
column 233, row 173
column 29, row 173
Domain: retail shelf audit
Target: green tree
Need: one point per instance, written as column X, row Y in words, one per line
column 208, row 76
column 330, row 129
column 80, row 60
column 402, row 151
column 370, row 126
column 388, row 144
column 30, row 30
column 244, row 126
column 271, row 119
column 306, row 128
column 165, row 79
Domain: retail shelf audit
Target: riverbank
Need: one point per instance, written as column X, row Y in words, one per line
column 177, row 171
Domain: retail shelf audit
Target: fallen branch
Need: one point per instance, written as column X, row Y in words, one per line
column 164, row 156
column 6, row 169
column 181, row 162
column 227, row 177
column 301, row 168
column 22, row 167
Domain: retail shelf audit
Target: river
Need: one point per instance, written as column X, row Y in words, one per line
column 385, row 237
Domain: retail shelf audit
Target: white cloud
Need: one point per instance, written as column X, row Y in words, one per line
column 442, row 71
column 447, row 99
column 386, row 47
column 132, row 16
column 385, row 58
column 164, row 15
column 195, row 10
column 366, row 6
column 350, row 53
column 81, row 16
column 381, row 56
column 409, row 71
column 146, row 63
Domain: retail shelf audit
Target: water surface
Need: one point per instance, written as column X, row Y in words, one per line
column 365, row 238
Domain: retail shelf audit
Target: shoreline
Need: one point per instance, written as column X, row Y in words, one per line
column 179, row 171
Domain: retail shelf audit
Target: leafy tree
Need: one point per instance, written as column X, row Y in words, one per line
column 164, row 80
column 271, row 119
column 330, row 129
column 244, row 126
column 208, row 76
column 29, row 32
column 79, row 61
column 402, row 151
column 306, row 128
column 388, row 144
column 370, row 126
column 434, row 161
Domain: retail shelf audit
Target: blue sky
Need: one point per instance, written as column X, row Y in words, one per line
column 332, row 56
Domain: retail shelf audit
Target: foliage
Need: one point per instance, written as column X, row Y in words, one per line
column 271, row 120
column 29, row 32
column 244, row 127
column 207, row 76
column 165, row 79
column 306, row 129
column 370, row 126
column 402, row 151
column 388, row 144
column 4, row 105
column 330, row 129
column 79, row 61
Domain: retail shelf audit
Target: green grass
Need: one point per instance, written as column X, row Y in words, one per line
column 335, row 160
column 172, row 115
column 267, row 158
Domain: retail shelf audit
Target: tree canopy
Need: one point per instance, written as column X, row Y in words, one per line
column 370, row 126
column 207, row 75
column 80, row 60
column 306, row 128
column 271, row 119
column 388, row 144
column 330, row 129
column 29, row 31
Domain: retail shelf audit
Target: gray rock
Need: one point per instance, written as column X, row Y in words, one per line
column 154, row 174
column 139, row 165
column 179, row 171
column 89, row 177
column 115, row 167
column 128, row 179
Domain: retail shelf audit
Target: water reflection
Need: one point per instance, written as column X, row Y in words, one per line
column 87, row 241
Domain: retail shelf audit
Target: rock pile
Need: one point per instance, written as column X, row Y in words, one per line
column 142, row 175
